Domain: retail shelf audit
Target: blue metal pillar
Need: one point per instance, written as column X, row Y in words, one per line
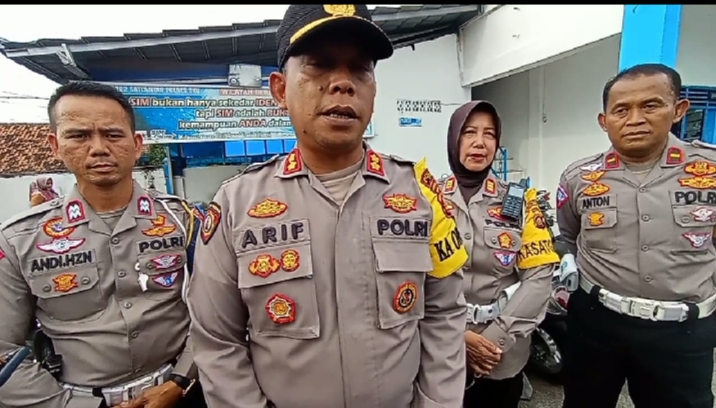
column 650, row 34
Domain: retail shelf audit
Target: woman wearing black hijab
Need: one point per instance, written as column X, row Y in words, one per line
column 504, row 253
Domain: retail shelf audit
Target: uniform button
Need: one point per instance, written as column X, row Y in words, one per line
column 135, row 335
column 642, row 190
column 46, row 288
column 137, row 267
column 115, row 240
column 685, row 219
column 493, row 240
column 128, row 305
column 121, row 274
column 501, row 342
column 648, row 278
column 179, row 258
column 645, row 248
column 645, row 218
column 150, row 265
column 85, row 280
column 468, row 236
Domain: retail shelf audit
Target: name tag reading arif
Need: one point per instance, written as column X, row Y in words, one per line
column 285, row 232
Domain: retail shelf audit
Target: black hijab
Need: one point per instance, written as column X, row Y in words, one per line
column 468, row 181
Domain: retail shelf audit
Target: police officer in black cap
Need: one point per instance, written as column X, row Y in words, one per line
column 340, row 312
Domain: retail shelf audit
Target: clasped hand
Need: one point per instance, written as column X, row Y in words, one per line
column 165, row 395
column 482, row 354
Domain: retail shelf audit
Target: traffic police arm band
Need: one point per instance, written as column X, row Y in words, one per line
column 446, row 249
column 441, row 377
column 524, row 310
column 219, row 316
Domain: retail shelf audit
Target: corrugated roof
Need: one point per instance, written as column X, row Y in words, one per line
column 252, row 43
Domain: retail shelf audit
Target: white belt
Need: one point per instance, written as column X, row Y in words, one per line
column 647, row 309
column 126, row 392
column 477, row 314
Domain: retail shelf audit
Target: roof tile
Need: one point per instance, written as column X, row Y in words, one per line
column 23, row 150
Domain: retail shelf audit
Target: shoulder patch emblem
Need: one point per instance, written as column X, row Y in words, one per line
column 212, row 218
column 375, row 164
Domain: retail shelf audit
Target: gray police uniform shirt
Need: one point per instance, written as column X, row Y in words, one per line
column 649, row 236
column 81, row 276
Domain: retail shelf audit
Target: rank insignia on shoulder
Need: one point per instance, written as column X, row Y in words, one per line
column 374, row 163
column 450, row 185
column 212, row 218
column 268, row 208
column 281, row 309
column 405, row 297
column 290, row 260
column 674, row 156
column 293, row 163
column 490, row 186
column 400, row 203
column 65, row 282
column 264, row 265
column 700, row 169
column 144, row 205
column 159, row 227
column 611, row 161
column 75, row 211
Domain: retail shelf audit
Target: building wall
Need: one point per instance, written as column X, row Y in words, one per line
column 550, row 112
column 696, row 57
column 513, row 38
column 19, row 188
column 428, row 71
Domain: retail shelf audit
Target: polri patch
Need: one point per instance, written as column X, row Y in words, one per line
column 405, row 297
column 211, row 222
column 281, row 309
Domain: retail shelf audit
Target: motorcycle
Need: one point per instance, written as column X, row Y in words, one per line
column 549, row 338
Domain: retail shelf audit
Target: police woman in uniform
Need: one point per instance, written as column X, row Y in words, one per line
column 503, row 252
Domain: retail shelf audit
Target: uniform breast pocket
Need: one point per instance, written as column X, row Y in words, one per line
column 277, row 286
column 694, row 226
column 401, row 269
column 503, row 245
column 161, row 275
column 599, row 229
column 69, row 296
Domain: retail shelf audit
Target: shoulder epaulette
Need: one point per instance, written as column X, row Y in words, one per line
column 30, row 212
column 576, row 167
column 252, row 167
column 698, row 143
column 398, row 159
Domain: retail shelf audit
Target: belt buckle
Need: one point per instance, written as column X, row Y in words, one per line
column 644, row 309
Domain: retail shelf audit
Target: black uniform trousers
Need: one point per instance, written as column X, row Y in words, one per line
column 487, row 393
column 665, row 364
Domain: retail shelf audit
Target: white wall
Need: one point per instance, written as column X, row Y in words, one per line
column 17, row 189
column 513, row 38
column 550, row 112
column 697, row 53
column 429, row 72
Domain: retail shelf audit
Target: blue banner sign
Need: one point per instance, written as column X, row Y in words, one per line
column 180, row 113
